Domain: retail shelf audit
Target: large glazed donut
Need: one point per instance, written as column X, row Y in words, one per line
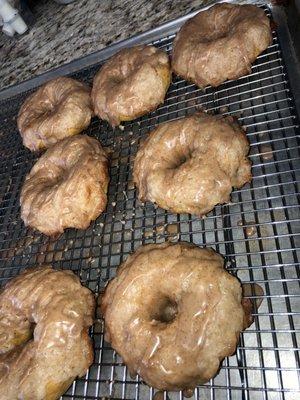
column 44, row 343
column 220, row 43
column 60, row 108
column 67, row 186
column 132, row 83
column 190, row 165
column 173, row 313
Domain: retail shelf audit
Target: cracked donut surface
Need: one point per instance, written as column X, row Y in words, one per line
column 173, row 313
column 131, row 83
column 45, row 315
column 60, row 108
column 191, row 164
column 220, row 43
column 67, row 186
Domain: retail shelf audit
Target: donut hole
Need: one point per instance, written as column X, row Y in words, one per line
column 117, row 80
column 49, row 109
column 22, row 336
column 165, row 311
column 124, row 73
column 181, row 159
column 30, row 333
column 215, row 35
column 45, row 110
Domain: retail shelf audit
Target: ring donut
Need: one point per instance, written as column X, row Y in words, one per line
column 191, row 164
column 173, row 313
column 45, row 315
column 67, row 186
column 220, row 43
column 60, row 108
column 131, row 83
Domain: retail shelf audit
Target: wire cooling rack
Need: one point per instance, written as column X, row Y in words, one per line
column 257, row 232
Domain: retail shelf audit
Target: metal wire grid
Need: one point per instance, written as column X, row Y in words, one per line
column 257, row 232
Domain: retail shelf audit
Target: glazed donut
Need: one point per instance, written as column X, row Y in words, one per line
column 67, row 186
column 44, row 343
column 173, row 313
column 60, row 108
column 132, row 83
column 220, row 43
column 190, row 165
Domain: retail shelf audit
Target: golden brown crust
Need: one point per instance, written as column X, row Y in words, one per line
column 131, row 83
column 220, row 43
column 61, row 311
column 58, row 109
column 173, row 313
column 67, row 186
column 190, row 165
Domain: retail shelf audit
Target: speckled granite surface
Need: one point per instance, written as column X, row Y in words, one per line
column 64, row 33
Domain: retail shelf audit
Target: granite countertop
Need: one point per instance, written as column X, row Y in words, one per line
column 61, row 34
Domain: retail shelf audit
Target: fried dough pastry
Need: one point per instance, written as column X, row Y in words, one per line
column 45, row 315
column 173, row 313
column 220, row 43
column 60, row 108
column 131, row 83
column 190, row 165
column 67, row 186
